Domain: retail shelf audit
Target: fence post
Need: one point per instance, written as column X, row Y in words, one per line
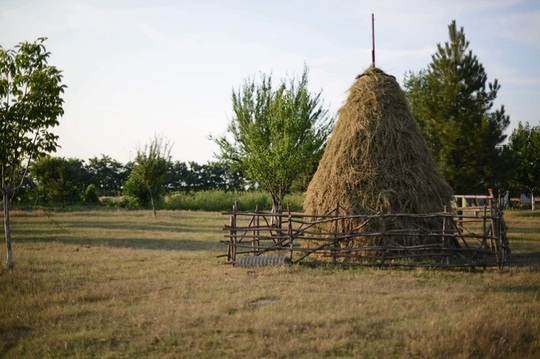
column 256, row 232
column 290, row 231
column 231, row 254
column 383, row 223
column 446, row 258
column 336, row 229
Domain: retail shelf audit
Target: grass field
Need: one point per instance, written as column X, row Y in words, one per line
column 121, row 284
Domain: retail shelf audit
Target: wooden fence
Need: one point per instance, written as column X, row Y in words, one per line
column 473, row 234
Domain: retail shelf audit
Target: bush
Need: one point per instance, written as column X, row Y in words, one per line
column 91, row 195
column 129, row 202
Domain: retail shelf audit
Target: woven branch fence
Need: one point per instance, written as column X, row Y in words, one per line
column 473, row 234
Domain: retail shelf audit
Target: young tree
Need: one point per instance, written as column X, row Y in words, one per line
column 30, row 105
column 453, row 104
column 150, row 169
column 278, row 134
column 525, row 146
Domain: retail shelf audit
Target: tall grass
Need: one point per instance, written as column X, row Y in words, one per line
column 121, row 284
column 217, row 201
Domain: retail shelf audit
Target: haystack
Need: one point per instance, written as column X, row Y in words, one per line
column 376, row 160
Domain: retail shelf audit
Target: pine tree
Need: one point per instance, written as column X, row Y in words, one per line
column 452, row 101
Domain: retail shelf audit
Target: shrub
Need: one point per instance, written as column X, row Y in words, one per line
column 91, row 195
column 130, row 202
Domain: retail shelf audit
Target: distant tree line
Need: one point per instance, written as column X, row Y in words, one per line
column 63, row 181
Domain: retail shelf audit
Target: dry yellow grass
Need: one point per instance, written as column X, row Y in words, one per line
column 120, row 285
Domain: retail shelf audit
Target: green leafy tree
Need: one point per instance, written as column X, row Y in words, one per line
column 30, row 105
column 59, row 180
column 150, row 169
column 453, row 101
column 276, row 134
column 106, row 174
column 525, row 146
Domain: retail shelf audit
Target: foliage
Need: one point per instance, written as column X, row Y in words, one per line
column 106, row 177
column 107, row 174
column 133, row 187
column 150, row 169
column 191, row 176
column 452, row 102
column 26, row 194
column 58, row 180
column 30, row 104
column 277, row 134
column 525, row 146
column 91, row 194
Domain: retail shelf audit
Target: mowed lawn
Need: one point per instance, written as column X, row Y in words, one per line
column 122, row 284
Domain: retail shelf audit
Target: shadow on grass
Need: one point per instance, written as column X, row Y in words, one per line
column 518, row 288
column 524, row 259
column 10, row 336
column 121, row 225
column 135, row 243
column 525, row 253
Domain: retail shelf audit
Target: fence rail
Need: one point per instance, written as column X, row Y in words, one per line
column 473, row 234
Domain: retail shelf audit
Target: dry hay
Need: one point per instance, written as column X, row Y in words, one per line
column 376, row 160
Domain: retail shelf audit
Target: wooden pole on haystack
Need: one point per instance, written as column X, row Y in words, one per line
column 373, row 40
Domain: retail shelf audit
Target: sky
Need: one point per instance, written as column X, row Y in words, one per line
column 136, row 69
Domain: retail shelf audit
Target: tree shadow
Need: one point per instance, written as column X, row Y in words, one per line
column 153, row 244
column 135, row 243
column 524, row 259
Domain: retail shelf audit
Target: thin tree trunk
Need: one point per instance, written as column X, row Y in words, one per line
column 533, row 204
column 276, row 208
column 9, row 259
column 153, row 205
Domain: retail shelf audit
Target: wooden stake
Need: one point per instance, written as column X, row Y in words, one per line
column 373, row 40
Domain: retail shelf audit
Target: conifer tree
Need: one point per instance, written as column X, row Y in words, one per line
column 453, row 101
